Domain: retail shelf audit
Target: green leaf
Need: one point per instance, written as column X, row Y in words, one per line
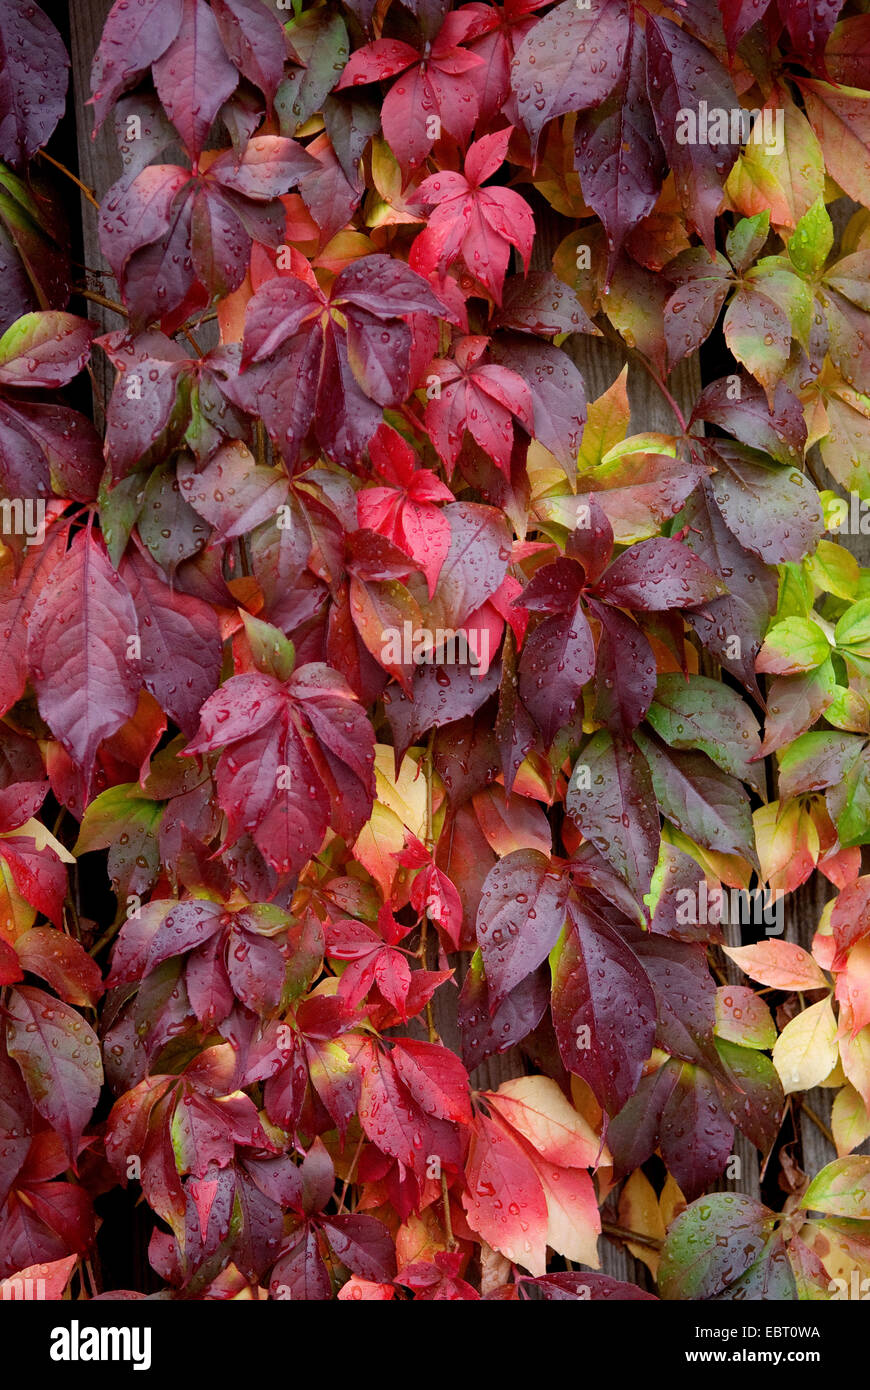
column 795, row 644
column 841, row 1189
column 711, row 1244
column 817, row 760
column 848, row 801
column 274, row 654
column 610, row 797
column 125, row 823
column 744, row 241
column 834, row 570
column 812, row 240
column 852, row 635
column 705, row 714
column 849, row 711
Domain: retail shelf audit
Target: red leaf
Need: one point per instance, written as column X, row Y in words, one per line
column 194, row 76
column 63, row 963
column 81, row 626
column 435, row 1078
column 504, row 1200
column 59, row 1056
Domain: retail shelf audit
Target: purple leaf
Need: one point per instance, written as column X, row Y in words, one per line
column 33, row 80
column 610, row 797
column 521, row 913
column 679, row 71
column 194, row 77
column 603, row 1007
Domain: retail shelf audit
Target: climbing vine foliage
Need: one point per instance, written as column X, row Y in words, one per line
column 383, row 714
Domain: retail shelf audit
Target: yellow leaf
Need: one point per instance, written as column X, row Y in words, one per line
column 536, row 1107
column 606, row 424
column 573, row 1218
column 639, row 1211
column 405, row 795
column 855, row 1056
column 378, row 846
column 806, row 1050
column 850, row 1122
column 43, row 839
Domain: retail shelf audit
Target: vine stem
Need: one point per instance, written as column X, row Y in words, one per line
column 636, row 356
column 819, row 1123
column 623, row 1233
column 428, row 760
column 88, row 192
column 106, row 303
column 350, row 1173
column 452, row 1242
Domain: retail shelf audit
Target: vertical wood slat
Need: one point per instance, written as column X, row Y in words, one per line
column 99, row 167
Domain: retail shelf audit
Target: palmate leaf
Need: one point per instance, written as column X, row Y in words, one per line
column 392, row 433
column 296, row 755
column 300, row 367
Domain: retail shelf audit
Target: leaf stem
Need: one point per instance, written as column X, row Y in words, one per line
column 88, row 192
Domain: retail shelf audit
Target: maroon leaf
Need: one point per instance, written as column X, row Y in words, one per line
column 254, row 39
column 603, row 1007
column 485, row 1032
column 82, row 625
column 625, row 671
column 733, row 627
column 618, row 155
column 180, row 642
column 546, row 77
column 133, row 37
column 521, row 913
column 194, row 76
column 33, row 80
column 557, row 660
column 610, row 797
column 680, row 69
column 780, row 431
column 557, row 392
column 657, row 574
column 59, row 1057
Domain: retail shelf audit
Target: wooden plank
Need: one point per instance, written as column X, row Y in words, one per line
column 99, row 167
